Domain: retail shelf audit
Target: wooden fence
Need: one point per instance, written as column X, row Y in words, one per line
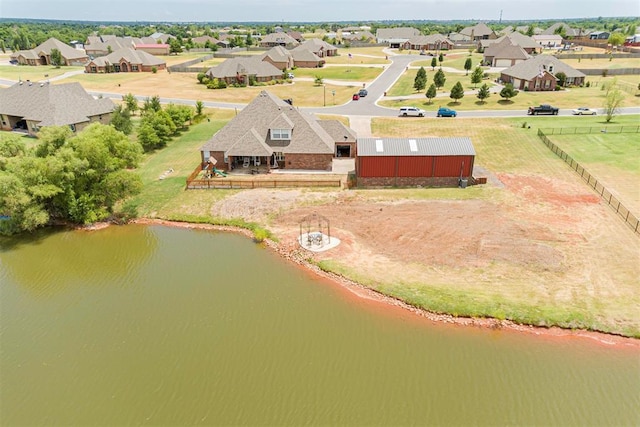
column 228, row 183
column 588, row 130
column 605, row 194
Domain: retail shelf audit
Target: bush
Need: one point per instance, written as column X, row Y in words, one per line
column 524, row 125
column 605, row 72
column 154, row 70
column 588, row 84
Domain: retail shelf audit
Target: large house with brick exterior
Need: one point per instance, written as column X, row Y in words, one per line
column 539, row 74
column 272, row 132
column 41, row 54
column 125, row 60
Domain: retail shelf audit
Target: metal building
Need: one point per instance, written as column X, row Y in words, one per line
column 410, row 162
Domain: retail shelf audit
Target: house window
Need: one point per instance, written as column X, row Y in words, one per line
column 279, row 156
column 72, row 127
column 547, row 84
column 280, row 134
column 93, row 69
column 134, row 68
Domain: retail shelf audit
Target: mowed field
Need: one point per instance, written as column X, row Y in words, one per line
column 535, row 244
column 613, row 159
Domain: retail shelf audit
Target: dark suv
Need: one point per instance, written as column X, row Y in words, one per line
column 362, row 93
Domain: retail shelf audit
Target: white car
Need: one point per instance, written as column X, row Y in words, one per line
column 584, row 111
column 411, row 111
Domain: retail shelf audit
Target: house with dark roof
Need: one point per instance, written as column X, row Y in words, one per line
column 432, row 42
column 504, row 54
column 28, row 106
column 41, row 54
column 125, row 60
column 539, row 74
column 243, row 69
column 270, row 132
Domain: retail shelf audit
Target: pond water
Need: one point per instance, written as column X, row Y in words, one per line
column 149, row 325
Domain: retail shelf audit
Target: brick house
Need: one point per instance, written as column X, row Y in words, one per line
column 271, row 132
column 125, row 60
column 41, row 54
column 504, row 54
column 432, row 42
column 242, row 69
column 539, row 74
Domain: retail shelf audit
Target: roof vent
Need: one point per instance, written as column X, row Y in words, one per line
column 379, row 147
column 413, row 146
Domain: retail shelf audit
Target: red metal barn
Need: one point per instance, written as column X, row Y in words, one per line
column 402, row 162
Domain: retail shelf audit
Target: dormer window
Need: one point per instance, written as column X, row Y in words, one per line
column 280, row 134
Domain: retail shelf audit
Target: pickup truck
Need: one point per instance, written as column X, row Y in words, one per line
column 542, row 109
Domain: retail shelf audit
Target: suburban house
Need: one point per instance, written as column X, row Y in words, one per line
column 561, row 27
column 599, row 35
column 404, row 162
column 319, row 47
column 360, row 36
column 203, row 40
column 41, row 54
column 529, row 45
column 296, row 35
column 125, row 60
column 539, row 74
column 304, row 58
column 548, row 41
column 279, row 57
column 28, row 106
column 271, row 133
column 396, row 37
column 504, row 54
column 103, row 45
column 478, row 32
column 242, row 69
column 432, row 42
column 279, row 39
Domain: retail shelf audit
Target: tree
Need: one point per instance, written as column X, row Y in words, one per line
column 476, row 76
column 131, row 102
column 318, row 80
column 152, row 104
column 613, row 97
column 109, row 49
column 562, row 78
column 439, row 78
column 180, row 114
column 467, row 65
column 420, row 82
column 121, row 120
column 199, row 108
column 434, row 62
column 56, row 57
column 457, row 92
column 441, row 58
column 508, row 92
column 249, row 40
column 483, row 93
column 530, row 30
column 174, row 46
column 616, row 39
column 431, row 92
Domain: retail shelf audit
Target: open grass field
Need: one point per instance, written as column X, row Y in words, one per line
column 348, row 73
column 404, row 85
column 168, row 85
column 453, row 59
column 35, row 74
column 603, row 63
column 613, row 159
column 534, row 245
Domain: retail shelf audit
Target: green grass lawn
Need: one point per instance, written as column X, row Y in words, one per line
column 404, row 85
column 360, row 74
column 454, row 60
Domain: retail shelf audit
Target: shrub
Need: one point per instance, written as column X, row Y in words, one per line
column 524, row 125
column 588, row 84
column 154, row 70
column 605, row 72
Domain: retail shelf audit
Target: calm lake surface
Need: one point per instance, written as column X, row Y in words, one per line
column 148, row 325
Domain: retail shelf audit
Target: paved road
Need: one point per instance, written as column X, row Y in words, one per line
column 359, row 111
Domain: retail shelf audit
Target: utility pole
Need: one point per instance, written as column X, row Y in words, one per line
column 500, row 22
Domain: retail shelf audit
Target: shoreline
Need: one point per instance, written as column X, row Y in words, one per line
column 361, row 291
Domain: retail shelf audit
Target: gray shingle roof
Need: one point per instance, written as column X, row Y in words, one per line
column 130, row 55
column 253, row 66
column 67, row 52
column 279, row 38
column 430, row 39
column 530, row 68
column 277, row 54
column 254, row 121
column 397, row 33
column 454, row 146
column 505, row 49
column 338, row 131
column 478, row 30
column 48, row 104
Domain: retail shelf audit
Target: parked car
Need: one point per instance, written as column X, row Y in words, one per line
column 446, row 112
column 584, row 111
column 542, row 109
column 355, row 97
column 362, row 93
column 411, row 111
column 290, row 75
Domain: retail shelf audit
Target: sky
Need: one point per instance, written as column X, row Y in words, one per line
column 314, row 10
